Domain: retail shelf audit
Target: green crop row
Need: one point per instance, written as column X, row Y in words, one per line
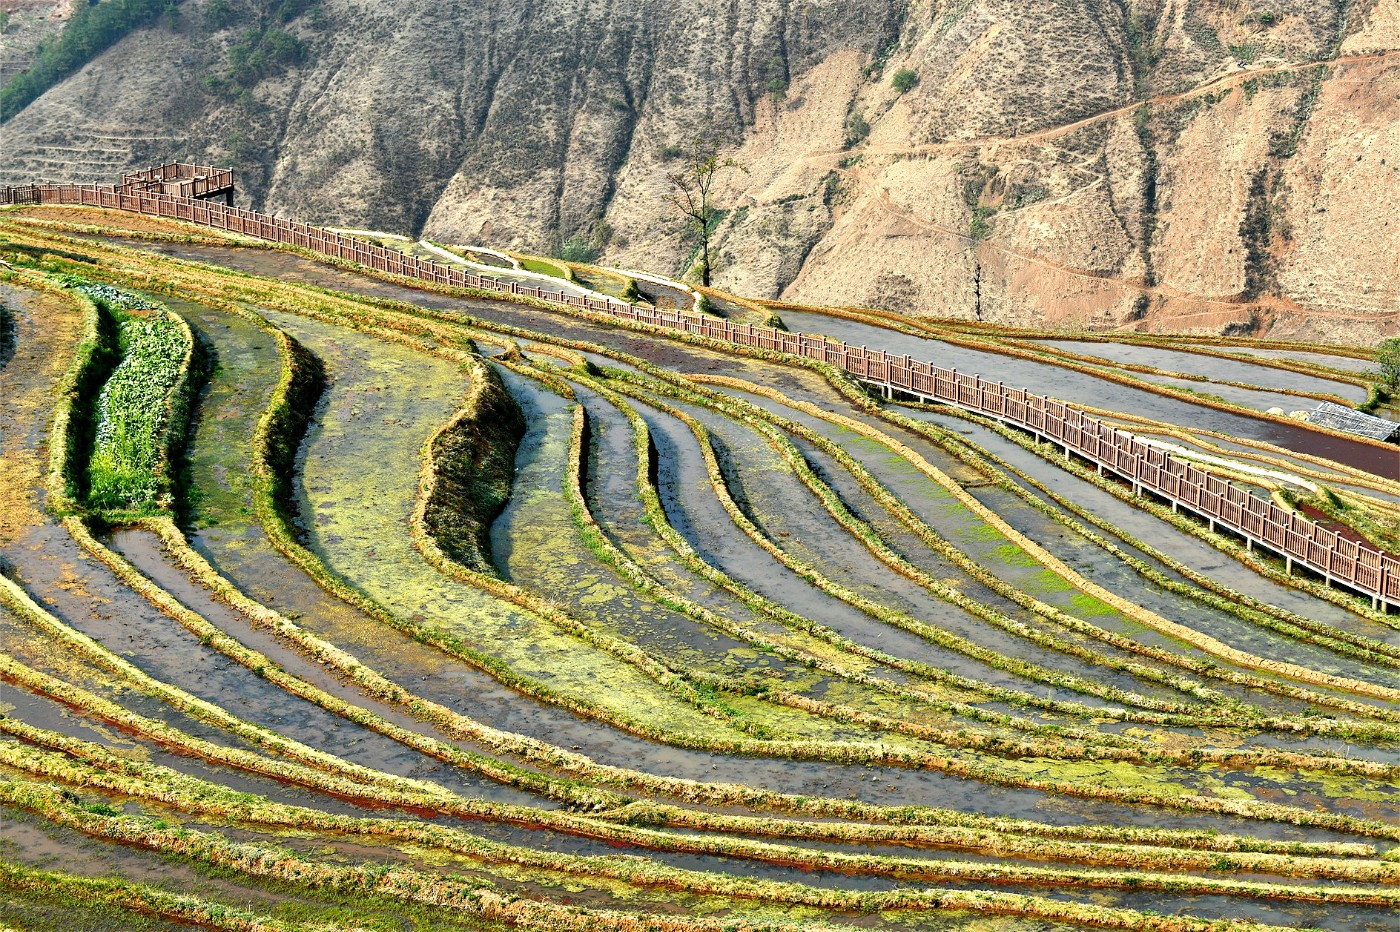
column 140, row 413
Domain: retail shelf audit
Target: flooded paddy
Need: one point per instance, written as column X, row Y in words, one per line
column 1216, row 369
column 1329, row 360
column 1082, row 388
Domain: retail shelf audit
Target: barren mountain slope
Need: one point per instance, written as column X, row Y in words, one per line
column 1178, row 164
column 26, row 23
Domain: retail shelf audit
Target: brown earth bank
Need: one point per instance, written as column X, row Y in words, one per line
column 1202, row 166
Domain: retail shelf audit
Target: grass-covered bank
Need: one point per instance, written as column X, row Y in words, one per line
column 472, row 465
column 133, row 390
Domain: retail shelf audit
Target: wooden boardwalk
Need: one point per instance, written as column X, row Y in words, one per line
column 1261, row 522
column 181, row 179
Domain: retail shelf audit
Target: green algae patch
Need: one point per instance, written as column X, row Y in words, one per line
column 1086, row 606
column 244, row 367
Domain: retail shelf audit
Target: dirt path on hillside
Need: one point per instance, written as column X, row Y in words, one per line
column 1229, row 80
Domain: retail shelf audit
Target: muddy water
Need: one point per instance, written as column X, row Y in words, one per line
column 1214, row 368
column 662, row 563
column 42, row 712
column 1273, row 458
column 34, row 842
column 946, row 516
column 39, row 652
column 1341, row 918
column 610, row 482
column 1118, row 577
column 1100, row 567
column 37, row 843
column 694, row 511
column 610, row 488
column 665, row 295
column 169, row 653
column 918, row 553
column 1251, row 398
column 1287, row 463
column 1345, row 363
column 144, row 551
column 1081, row 388
column 41, row 844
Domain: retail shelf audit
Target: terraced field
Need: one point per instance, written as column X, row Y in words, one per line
column 330, row 602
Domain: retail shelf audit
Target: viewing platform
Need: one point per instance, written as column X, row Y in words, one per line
column 181, row 179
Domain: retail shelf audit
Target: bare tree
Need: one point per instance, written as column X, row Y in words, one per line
column 692, row 184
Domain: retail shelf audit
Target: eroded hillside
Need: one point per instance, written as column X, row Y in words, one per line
column 1201, row 165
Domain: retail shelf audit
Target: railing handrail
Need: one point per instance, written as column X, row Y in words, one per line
column 1371, row 571
column 186, row 178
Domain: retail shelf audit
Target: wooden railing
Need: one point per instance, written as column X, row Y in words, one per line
column 1259, row 520
column 180, row 179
